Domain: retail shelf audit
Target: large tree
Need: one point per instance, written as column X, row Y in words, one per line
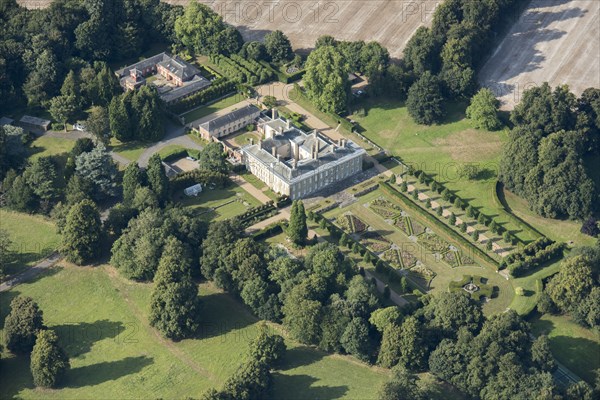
column 212, row 158
column 42, row 178
column 98, row 167
column 49, row 362
column 133, row 178
column 278, row 46
column 572, row 284
column 483, row 110
column 82, row 232
column 63, row 108
column 297, row 229
column 12, row 148
column 174, row 303
column 326, row 79
column 202, row 30
column 97, row 123
column 425, row 102
column 157, row 178
column 22, row 324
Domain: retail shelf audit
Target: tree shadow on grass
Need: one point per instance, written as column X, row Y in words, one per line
column 14, row 376
column 301, row 355
column 5, row 299
column 78, row 338
column 96, row 374
column 301, row 387
column 222, row 314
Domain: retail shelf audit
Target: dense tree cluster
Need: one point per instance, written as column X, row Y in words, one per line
column 137, row 252
column 44, row 49
column 543, row 161
column 203, row 31
column 135, row 115
column 174, row 305
column 575, row 289
column 327, row 68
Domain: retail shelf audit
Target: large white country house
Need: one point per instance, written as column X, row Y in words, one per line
column 296, row 163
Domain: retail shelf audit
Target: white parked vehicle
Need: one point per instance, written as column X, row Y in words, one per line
column 79, row 127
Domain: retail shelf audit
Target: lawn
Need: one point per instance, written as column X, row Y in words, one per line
column 558, row 230
column 170, row 150
column 219, row 204
column 572, row 345
column 130, row 150
column 524, row 304
column 46, row 146
column 440, row 150
column 211, row 108
column 34, row 237
column 115, row 354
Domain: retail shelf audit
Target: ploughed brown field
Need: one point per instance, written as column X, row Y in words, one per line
column 555, row 41
column 390, row 22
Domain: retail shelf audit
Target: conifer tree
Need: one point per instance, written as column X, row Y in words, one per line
column 297, row 229
column 48, row 360
column 81, row 234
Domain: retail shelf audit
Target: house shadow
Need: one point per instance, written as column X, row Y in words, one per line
column 96, row 374
column 78, row 338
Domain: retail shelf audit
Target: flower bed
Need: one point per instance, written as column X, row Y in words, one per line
column 375, row 242
column 417, row 228
column 384, row 212
column 351, row 223
column 392, row 257
column 433, row 243
column 466, row 260
column 452, row 258
column 408, row 259
column 400, row 223
column 385, row 203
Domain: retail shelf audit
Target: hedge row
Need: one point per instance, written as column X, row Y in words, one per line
column 428, row 218
column 205, row 177
column 521, row 266
column 269, row 231
column 256, row 214
column 242, row 71
column 176, row 154
column 217, row 89
column 282, row 76
column 530, row 250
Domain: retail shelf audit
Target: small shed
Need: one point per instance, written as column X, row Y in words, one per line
column 193, row 190
column 29, row 122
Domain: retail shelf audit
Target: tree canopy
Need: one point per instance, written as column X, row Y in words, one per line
column 326, row 79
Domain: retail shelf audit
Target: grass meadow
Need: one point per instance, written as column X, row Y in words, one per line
column 576, row 347
column 33, row 238
column 114, row 353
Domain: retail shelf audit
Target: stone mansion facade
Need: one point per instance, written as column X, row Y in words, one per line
column 295, row 163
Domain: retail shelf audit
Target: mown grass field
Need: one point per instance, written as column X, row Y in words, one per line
column 440, row 151
column 115, row 354
column 130, row 150
column 219, row 204
column 203, row 111
column 34, row 237
column 46, row 146
column 576, row 347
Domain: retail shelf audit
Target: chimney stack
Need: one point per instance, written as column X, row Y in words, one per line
column 287, row 124
column 278, row 158
column 281, row 130
column 251, row 141
column 274, row 113
column 273, row 150
column 294, row 164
